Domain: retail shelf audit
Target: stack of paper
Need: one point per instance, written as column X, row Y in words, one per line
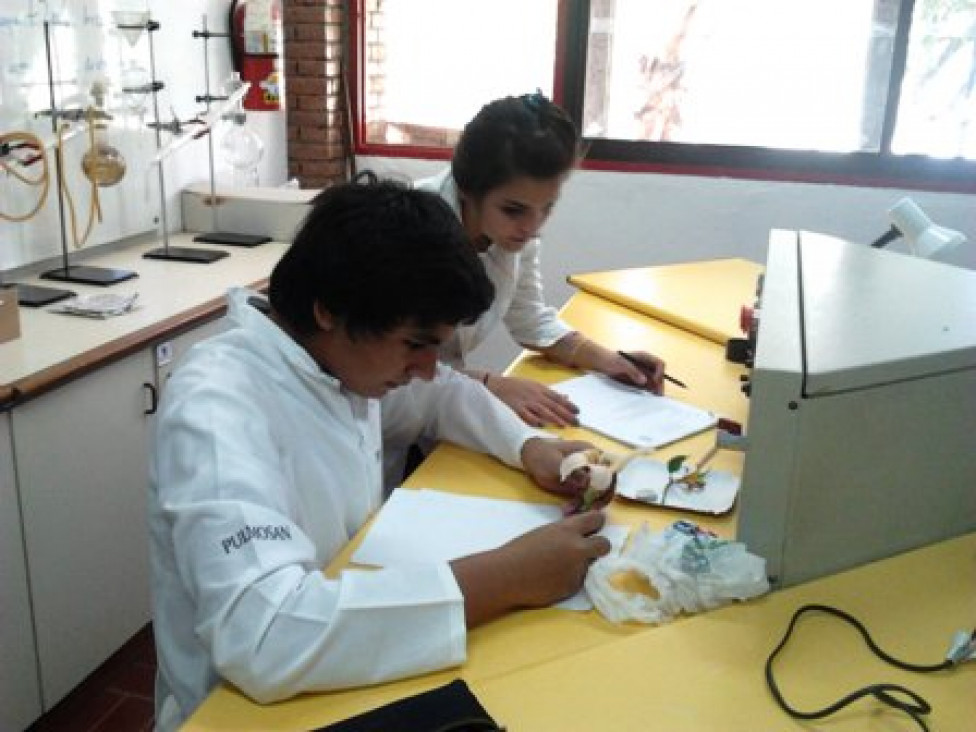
column 103, row 305
column 631, row 415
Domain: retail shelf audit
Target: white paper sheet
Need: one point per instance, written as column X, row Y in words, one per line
column 631, row 415
column 417, row 526
column 644, row 479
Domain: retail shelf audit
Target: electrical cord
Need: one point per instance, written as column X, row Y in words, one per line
column 913, row 705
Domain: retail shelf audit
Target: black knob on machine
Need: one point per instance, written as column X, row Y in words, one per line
column 738, row 350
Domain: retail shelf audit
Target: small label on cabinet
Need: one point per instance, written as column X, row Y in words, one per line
column 164, row 353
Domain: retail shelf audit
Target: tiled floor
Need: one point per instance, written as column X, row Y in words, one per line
column 117, row 697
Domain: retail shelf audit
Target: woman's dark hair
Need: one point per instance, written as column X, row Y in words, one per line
column 377, row 254
column 514, row 137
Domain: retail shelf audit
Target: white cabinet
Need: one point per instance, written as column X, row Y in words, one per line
column 20, row 695
column 81, row 457
column 74, row 540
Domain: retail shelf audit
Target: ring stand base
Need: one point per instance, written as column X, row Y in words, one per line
column 32, row 296
column 186, row 254
column 103, row 276
column 232, row 239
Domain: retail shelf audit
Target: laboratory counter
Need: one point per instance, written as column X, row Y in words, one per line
column 174, row 297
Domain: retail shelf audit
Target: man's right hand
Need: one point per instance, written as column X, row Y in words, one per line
column 537, row 569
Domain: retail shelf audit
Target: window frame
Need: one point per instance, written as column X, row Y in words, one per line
column 883, row 169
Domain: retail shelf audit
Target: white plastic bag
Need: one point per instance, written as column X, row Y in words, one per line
column 690, row 569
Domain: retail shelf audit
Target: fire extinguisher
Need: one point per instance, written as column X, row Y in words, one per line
column 255, row 40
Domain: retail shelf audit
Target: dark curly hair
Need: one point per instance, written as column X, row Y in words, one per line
column 378, row 254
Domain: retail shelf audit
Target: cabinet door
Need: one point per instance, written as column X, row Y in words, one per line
column 20, row 696
column 81, row 456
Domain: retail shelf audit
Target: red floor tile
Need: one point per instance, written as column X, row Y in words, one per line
column 138, row 679
column 131, row 715
column 79, row 711
column 116, row 697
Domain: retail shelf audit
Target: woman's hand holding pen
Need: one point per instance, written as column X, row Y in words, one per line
column 635, row 368
column 638, row 368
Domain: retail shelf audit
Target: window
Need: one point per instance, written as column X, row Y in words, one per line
column 937, row 113
column 429, row 65
column 863, row 91
column 708, row 73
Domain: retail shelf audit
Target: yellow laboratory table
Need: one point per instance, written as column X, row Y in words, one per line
column 702, row 297
column 706, row 672
column 527, row 638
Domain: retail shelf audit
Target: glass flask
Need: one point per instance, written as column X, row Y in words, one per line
column 243, row 149
column 102, row 163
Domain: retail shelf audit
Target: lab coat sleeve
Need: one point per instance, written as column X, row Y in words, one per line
column 459, row 409
column 272, row 622
column 530, row 321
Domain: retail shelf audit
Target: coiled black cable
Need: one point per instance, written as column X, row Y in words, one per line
column 914, row 705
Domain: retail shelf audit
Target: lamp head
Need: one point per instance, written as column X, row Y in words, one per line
column 925, row 238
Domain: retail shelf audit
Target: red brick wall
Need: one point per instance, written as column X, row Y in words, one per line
column 319, row 144
column 375, row 62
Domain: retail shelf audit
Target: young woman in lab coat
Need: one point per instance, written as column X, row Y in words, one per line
column 505, row 177
column 267, row 460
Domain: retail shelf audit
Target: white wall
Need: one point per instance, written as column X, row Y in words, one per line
column 612, row 220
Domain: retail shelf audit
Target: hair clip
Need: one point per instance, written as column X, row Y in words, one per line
column 535, row 101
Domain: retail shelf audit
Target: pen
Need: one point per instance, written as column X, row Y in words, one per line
column 667, row 377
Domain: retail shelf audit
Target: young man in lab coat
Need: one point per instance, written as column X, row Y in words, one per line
column 267, row 460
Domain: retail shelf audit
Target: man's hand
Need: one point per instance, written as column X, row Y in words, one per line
column 541, row 458
column 536, row 569
column 535, row 403
column 597, row 472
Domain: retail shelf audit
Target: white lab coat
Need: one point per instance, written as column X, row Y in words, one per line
column 519, row 302
column 263, row 468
